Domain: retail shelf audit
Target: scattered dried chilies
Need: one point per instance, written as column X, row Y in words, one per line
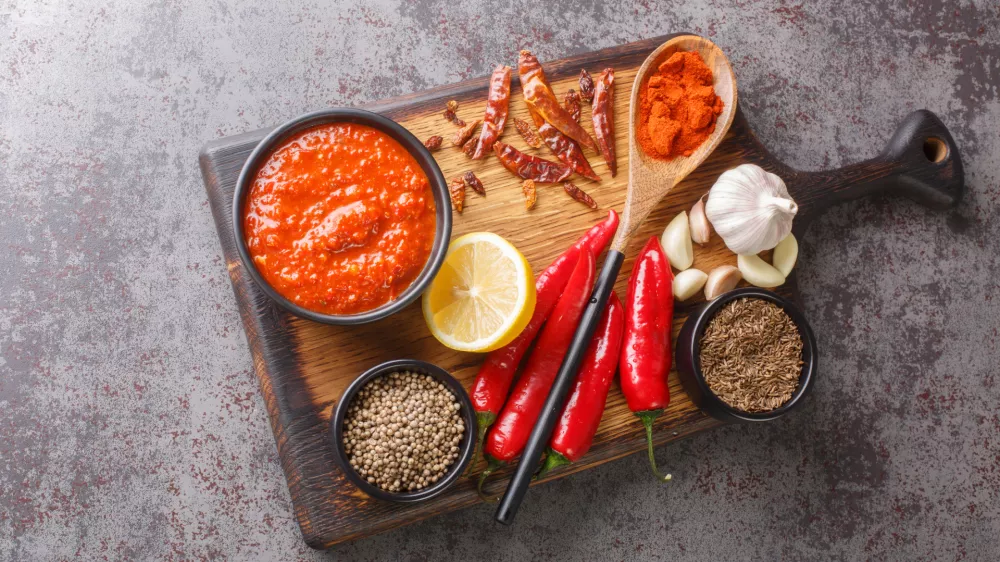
column 496, row 111
column 527, row 133
column 530, row 195
column 473, row 183
column 456, row 190
column 463, row 135
column 603, row 115
column 540, row 99
column 586, row 86
column 579, row 195
column 529, row 167
column 571, row 103
column 450, row 113
column 434, row 142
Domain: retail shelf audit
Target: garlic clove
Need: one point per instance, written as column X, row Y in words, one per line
column 758, row 272
column 700, row 229
column 676, row 241
column 750, row 209
column 688, row 282
column 785, row 254
column 721, row 280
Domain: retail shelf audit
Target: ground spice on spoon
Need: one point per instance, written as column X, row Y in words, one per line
column 751, row 355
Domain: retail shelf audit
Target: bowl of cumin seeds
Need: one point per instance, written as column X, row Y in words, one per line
column 747, row 356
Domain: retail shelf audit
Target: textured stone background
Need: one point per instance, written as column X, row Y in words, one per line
column 130, row 422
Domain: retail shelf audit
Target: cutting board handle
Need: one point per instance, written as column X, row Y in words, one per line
column 921, row 162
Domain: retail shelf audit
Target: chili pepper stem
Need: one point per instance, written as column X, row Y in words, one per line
column 483, row 421
column 552, row 460
column 647, row 418
column 491, row 466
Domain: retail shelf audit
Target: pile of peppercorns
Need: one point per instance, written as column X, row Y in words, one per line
column 402, row 431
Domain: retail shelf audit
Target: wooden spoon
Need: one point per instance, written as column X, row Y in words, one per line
column 648, row 181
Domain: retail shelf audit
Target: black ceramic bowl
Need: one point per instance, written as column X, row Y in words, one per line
column 466, row 447
column 442, row 202
column 689, row 362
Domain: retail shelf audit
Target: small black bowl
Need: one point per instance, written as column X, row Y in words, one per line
column 466, row 447
column 442, row 202
column 689, row 360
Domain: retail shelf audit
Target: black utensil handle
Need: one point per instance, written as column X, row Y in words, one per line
column 546, row 422
column 921, row 162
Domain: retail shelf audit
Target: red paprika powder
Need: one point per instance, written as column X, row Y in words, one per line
column 677, row 107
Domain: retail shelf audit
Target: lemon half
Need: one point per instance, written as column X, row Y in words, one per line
column 482, row 297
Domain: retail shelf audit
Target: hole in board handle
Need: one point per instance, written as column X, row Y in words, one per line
column 935, row 149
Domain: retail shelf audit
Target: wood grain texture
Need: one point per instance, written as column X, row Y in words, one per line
column 303, row 366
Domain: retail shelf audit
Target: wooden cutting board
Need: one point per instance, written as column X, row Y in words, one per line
column 303, row 366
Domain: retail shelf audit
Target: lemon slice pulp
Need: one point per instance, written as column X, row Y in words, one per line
column 482, row 297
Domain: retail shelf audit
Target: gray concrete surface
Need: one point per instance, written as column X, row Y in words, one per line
column 130, row 422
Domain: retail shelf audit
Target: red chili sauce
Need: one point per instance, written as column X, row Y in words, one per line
column 340, row 219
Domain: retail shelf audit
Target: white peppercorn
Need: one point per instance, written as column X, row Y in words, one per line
column 402, row 431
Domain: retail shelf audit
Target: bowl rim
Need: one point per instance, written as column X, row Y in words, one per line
column 809, row 355
column 443, row 214
column 466, row 449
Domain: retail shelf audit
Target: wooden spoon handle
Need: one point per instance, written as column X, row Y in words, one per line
column 921, row 162
column 553, row 408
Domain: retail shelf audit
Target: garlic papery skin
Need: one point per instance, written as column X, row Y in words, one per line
column 750, row 209
column 721, row 280
column 700, row 229
column 785, row 254
column 676, row 241
column 758, row 272
column 688, row 282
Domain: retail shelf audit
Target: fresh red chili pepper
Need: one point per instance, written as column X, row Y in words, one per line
column 496, row 110
column 489, row 391
column 575, row 431
column 603, row 115
column 539, row 97
column 645, row 356
column 510, row 433
column 529, row 167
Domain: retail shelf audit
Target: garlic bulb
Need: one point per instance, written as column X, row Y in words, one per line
column 758, row 272
column 700, row 229
column 785, row 254
column 688, row 282
column 750, row 209
column 676, row 241
column 721, row 280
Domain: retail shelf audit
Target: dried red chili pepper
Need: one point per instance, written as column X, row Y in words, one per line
column 496, row 111
column 645, row 358
column 492, row 384
column 434, row 142
column 463, row 135
column 509, row 434
column 456, row 189
column 564, row 148
column 573, row 435
column 527, row 133
column 473, row 183
column 530, row 195
column 579, row 195
column 603, row 114
column 571, row 103
column 530, row 167
column 469, row 148
column 540, row 99
column 586, row 86
column 450, row 113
